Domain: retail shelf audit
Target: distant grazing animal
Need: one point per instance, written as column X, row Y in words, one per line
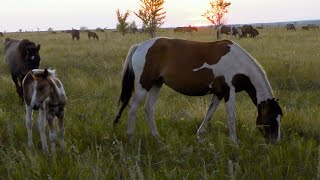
column 1, row 34
column 53, row 32
column 188, row 29
column 178, row 29
column 312, row 26
column 75, row 34
column 192, row 68
column 290, row 27
column 246, row 29
column 254, row 33
column 259, row 27
column 43, row 91
column 306, row 28
column 92, row 35
column 21, row 56
column 234, row 31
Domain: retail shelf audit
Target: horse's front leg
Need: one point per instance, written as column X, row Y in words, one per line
column 42, row 130
column 231, row 114
column 52, row 133
column 212, row 108
column 19, row 90
column 29, row 124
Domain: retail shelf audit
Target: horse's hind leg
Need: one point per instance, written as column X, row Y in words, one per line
column 138, row 96
column 212, row 108
column 152, row 97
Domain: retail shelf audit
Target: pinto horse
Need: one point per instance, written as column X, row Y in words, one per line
column 21, row 56
column 43, row 91
column 220, row 68
column 228, row 31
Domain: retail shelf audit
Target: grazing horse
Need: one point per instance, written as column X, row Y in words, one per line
column 75, row 34
column 228, row 31
column 21, row 56
column 221, row 68
column 43, row 91
column 290, row 27
column 254, row 33
column 305, row 28
column 92, row 35
column 190, row 29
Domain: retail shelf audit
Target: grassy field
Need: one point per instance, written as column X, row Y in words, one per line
column 91, row 73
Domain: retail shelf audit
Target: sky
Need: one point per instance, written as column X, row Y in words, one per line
column 66, row 14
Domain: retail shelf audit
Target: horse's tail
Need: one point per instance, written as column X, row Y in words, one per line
column 127, row 82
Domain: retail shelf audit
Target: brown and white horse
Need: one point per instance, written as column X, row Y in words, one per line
column 221, row 68
column 228, row 31
column 43, row 91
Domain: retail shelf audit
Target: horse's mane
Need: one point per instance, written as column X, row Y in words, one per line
column 52, row 72
column 259, row 67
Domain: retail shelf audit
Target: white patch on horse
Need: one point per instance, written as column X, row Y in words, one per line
column 34, row 94
column 279, row 125
column 210, row 85
column 238, row 61
column 139, row 58
column 32, row 58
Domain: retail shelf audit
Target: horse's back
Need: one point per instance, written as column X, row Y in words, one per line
column 11, row 51
column 174, row 62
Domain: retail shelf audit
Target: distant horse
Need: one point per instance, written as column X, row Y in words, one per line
column 190, row 29
column 234, row 31
column 178, row 29
column 75, row 34
column 290, row 27
column 312, row 26
column 92, row 35
column 192, row 68
column 306, row 28
column 43, row 91
column 1, row 34
column 254, row 33
column 21, row 56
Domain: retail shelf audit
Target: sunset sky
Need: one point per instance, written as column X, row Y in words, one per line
column 67, row 14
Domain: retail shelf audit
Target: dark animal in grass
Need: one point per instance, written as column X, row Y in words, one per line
column 92, row 35
column 75, row 34
column 1, row 34
column 254, row 33
column 290, row 27
column 21, row 56
column 228, row 31
column 249, row 30
column 305, row 28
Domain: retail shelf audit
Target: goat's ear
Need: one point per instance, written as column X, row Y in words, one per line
column 45, row 73
column 38, row 48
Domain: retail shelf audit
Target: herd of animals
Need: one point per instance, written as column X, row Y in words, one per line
column 204, row 68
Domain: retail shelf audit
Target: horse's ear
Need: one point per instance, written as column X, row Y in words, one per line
column 45, row 73
column 38, row 48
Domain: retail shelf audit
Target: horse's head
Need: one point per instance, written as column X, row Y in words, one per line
column 31, row 56
column 268, row 120
column 41, row 86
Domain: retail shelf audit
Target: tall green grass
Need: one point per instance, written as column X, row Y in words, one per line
column 91, row 74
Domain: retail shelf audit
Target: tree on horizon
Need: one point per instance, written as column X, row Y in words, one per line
column 218, row 9
column 122, row 25
column 152, row 14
